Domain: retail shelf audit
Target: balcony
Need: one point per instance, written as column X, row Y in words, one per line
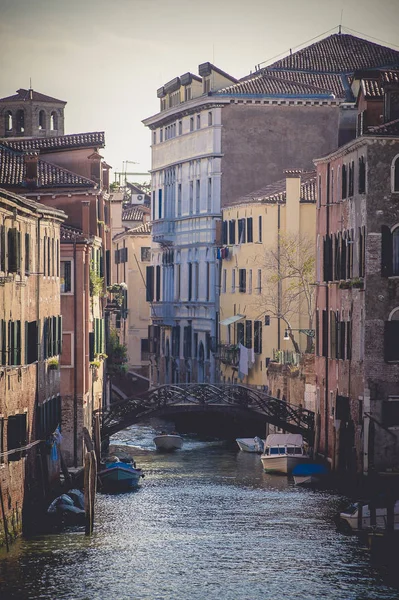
column 163, row 232
column 229, row 354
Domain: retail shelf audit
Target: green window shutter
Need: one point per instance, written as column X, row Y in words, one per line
column 60, row 334
column 45, row 334
column 18, row 342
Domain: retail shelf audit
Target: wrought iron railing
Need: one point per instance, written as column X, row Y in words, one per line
column 229, row 354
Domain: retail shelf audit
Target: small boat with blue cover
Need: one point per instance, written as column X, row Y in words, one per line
column 309, row 473
column 119, row 476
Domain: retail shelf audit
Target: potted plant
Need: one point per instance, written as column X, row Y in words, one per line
column 53, row 364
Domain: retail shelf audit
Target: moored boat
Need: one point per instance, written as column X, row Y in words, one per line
column 283, row 452
column 251, row 444
column 167, row 442
column 309, row 474
column 359, row 517
column 119, row 476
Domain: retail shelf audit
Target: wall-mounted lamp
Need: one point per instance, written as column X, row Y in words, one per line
column 308, row 332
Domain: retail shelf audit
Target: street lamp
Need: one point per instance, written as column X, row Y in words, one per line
column 309, row 332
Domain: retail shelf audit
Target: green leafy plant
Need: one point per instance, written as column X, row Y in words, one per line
column 117, row 355
column 95, row 364
column 53, row 364
column 96, row 283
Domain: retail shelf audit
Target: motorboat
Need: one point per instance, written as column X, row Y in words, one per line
column 167, row 442
column 118, row 476
column 67, row 509
column 283, row 452
column 251, row 444
column 358, row 517
column 308, row 474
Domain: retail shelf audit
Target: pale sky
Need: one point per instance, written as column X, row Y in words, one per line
column 107, row 58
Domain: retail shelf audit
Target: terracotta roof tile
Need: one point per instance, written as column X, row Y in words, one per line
column 143, row 228
column 12, row 172
column 372, row 88
column 388, row 129
column 61, row 142
column 268, row 84
column 25, row 95
column 133, row 213
column 70, row 233
column 276, row 191
column 339, row 53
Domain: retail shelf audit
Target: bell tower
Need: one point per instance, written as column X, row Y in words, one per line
column 31, row 114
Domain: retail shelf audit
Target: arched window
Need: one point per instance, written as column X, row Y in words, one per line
column 395, row 174
column 53, row 121
column 389, row 251
column 391, row 336
column 42, row 120
column 8, row 120
column 20, row 121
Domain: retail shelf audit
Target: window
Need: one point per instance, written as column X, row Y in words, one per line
column 20, row 121
column 27, row 253
column 159, row 204
column 242, row 276
column 260, row 229
column 232, row 232
column 187, row 94
column 240, row 333
column 145, row 254
column 191, row 123
column 207, row 85
column 208, row 280
column 249, row 230
column 250, row 281
column 179, row 197
column 190, row 281
column 42, row 120
column 209, row 197
column 53, row 121
column 158, row 283
column 14, row 343
column 210, row 120
column 14, row 250
column 198, row 121
column 390, row 412
column 149, row 284
column 259, row 282
column 233, row 281
column 66, row 276
column 197, row 196
column 191, row 197
column 258, row 337
column 362, row 176
column 344, row 182
column 8, row 120
column 248, row 334
column 395, row 174
column 154, row 137
column 180, row 127
column 16, row 435
column 267, row 320
column 391, row 336
column 351, row 178
column 187, row 341
column 241, row 231
column 224, row 281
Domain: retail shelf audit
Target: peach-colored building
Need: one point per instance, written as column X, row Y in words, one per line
column 30, row 345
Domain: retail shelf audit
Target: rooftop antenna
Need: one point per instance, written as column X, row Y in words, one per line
column 340, row 23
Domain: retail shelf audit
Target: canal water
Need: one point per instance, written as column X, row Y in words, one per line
column 206, row 523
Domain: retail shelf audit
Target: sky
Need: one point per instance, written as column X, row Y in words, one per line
column 107, row 59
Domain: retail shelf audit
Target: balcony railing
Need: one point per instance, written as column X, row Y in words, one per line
column 163, row 231
column 229, row 354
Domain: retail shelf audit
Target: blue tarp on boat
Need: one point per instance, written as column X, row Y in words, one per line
column 307, row 469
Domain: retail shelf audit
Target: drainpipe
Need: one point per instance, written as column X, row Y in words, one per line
column 75, row 361
column 326, row 419
column 279, row 284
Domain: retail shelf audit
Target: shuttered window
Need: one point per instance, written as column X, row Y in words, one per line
column 248, row 334
column 232, row 232
column 242, row 280
column 249, row 230
column 258, row 337
column 391, row 345
column 149, row 284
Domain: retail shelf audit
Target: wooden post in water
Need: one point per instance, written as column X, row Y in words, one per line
column 90, row 488
column 97, row 437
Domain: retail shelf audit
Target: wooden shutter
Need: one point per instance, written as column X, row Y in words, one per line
column 149, row 284
column 386, row 251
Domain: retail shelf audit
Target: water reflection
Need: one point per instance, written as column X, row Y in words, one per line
column 206, row 523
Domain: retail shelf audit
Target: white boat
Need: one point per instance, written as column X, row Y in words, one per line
column 168, row 442
column 357, row 517
column 283, row 452
column 251, row 444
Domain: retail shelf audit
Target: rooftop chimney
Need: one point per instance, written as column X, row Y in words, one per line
column 31, row 160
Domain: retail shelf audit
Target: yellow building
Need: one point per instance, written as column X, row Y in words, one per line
column 259, row 303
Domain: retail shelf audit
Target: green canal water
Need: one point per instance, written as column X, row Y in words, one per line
column 206, row 523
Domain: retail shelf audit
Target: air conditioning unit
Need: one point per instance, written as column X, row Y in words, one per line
column 139, row 197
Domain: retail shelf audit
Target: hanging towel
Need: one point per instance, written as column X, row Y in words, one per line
column 243, row 365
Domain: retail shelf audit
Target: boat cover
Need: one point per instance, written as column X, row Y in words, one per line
column 284, row 439
column 307, row 469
